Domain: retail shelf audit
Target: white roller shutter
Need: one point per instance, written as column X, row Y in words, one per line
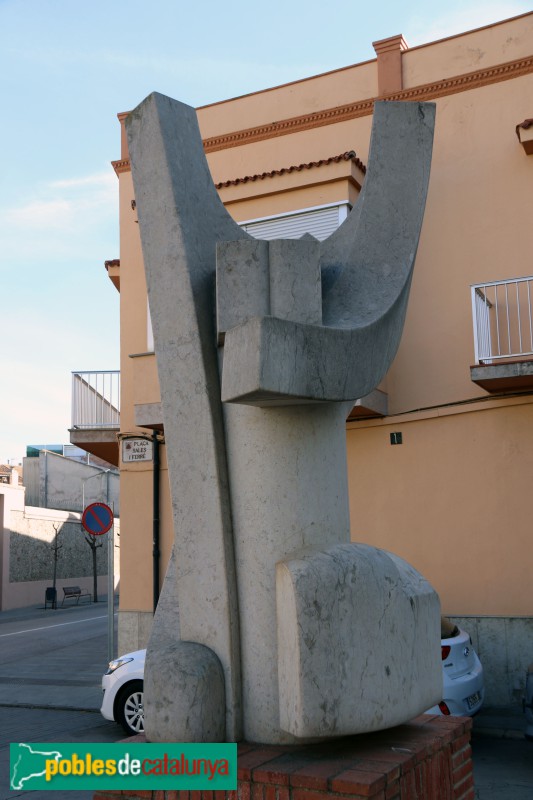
column 319, row 222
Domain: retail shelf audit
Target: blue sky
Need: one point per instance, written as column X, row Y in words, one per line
column 66, row 69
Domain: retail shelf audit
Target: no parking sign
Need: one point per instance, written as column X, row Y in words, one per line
column 97, row 519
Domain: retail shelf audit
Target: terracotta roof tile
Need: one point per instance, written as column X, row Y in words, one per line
column 349, row 155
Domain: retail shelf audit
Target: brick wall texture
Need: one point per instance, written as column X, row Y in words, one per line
column 427, row 759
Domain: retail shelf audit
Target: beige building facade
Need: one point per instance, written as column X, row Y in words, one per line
column 439, row 458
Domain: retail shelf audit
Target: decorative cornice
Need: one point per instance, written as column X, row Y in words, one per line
column 393, row 43
column 362, row 108
column 470, row 80
column 350, row 155
column 330, row 116
column 123, row 165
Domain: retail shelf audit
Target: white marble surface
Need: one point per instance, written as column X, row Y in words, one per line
column 197, row 712
column 358, row 642
column 290, row 468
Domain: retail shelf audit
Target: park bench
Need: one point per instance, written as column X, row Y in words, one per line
column 74, row 592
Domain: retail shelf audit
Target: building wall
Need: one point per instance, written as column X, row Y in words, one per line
column 31, row 480
column 475, row 229
column 53, row 481
column 27, row 559
column 452, row 499
column 139, row 384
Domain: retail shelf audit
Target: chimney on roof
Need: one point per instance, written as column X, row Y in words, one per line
column 389, row 52
column 124, row 154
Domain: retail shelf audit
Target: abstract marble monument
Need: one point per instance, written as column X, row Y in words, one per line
column 272, row 626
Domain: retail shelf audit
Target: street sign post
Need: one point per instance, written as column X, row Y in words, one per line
column 98, row 519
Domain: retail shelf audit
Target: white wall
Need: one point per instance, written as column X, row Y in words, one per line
column 54, row 481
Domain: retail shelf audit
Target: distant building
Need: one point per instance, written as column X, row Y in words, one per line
column 68, row 451
column 9, row 474
column 47, row 510
column 56, row 481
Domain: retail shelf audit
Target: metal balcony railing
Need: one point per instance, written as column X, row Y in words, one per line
column 501, row 312
column 96, row 399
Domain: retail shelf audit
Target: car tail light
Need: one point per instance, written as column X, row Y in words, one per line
column 444, row 708
column 445, row 650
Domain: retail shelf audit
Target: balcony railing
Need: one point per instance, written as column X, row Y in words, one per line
column 503, row 328
column 96, row 399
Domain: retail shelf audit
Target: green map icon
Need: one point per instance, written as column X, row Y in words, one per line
column 28, row 763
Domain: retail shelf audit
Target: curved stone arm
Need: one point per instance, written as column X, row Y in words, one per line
column 181, row 218
column 365, row 268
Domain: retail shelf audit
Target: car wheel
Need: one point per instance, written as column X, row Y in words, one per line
column 129, row 708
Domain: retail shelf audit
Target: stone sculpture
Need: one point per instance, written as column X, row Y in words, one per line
column 272, row 626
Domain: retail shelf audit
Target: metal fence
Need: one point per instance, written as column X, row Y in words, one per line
column 501, row 312
column 96, row 399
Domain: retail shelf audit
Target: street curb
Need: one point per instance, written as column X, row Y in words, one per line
column 50, row 708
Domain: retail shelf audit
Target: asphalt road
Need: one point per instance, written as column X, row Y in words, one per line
column 51, row 663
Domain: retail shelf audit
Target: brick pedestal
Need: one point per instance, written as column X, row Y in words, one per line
column 427, row 759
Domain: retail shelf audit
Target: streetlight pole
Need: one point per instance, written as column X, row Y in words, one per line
column 95, row 475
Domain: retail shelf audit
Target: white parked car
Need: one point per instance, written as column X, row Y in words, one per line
column 463, row 688
column 123, row 684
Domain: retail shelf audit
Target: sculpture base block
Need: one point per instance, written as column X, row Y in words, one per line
column 428, row 758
